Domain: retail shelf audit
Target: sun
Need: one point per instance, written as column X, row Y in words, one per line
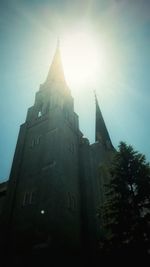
column 81, row 58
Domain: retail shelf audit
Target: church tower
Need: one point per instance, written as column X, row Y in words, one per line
column 54, row 186
column 44, row 181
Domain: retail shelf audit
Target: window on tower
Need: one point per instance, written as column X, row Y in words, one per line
column 72, row 202
column 71, row 147
column 26, row 198
column 29, row 198
column 35, row 141
column 32, row 197
column 38, row 140
column 39, row 114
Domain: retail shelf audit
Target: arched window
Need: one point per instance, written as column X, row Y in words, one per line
column 39, row 114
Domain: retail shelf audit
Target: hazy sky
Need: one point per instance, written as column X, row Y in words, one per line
column 121, row 31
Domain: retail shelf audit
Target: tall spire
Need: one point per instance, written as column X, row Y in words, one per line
column 56, row 72
column 101, row 133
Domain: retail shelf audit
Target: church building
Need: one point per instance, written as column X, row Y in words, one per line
column 57, row 178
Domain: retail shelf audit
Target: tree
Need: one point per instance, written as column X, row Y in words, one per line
column 126, row 210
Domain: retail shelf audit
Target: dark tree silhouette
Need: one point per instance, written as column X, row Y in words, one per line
column 126, row 210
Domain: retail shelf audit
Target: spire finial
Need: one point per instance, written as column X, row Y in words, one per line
column 95, row 96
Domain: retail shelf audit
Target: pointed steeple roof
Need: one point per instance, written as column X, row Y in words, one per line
column 56, row 72
column 101, row 133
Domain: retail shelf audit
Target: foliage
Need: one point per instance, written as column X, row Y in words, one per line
column 126, row 210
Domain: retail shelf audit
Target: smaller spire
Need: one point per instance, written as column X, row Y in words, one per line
column 101, row 133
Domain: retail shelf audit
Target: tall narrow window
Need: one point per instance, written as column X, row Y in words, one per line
column 26, row 198
column 39, row 114
column 71, row 147
column 32, row 197
column 74, row 204
column 71, row 203
column 38, row 140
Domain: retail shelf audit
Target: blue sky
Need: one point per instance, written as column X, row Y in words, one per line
column 28, row 34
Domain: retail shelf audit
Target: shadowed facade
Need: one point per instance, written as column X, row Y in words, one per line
column 57, row 178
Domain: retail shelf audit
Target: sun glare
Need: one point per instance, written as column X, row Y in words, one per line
column 81, row 58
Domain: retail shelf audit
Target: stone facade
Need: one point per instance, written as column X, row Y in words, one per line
column 57, row 177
